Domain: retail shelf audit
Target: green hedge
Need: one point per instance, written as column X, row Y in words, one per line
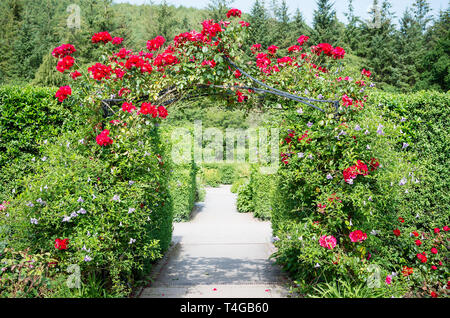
column 29, row 115
column 426, row 122
column 257, row 195
column 183, row 189
column 215, row 174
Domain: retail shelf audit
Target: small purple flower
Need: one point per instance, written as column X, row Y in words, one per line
column 357, row 128
column 380, row 130
column 73, row 215
column 300, row 154
column 320, row 96
column 30, row 204
column 366, row 132
column 300, row 111
column 403, row 119
column 116, row 198
column 82, row 211
column 132, row 240
column 368, row 147
column 80, row 199
column 405, row 145
column 372, row 85
column 370, row 199
column 402, row 182
column 306, row 92
column 33, row 221
column 131, row 210
column 87, row 258
column 66, row 218
column 310, row 156
column 329, row 176
column 309, row 124
column 275, row 239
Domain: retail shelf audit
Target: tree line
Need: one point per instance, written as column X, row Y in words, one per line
column 405, row 54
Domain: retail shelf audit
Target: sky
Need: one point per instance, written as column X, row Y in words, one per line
column 307, row 7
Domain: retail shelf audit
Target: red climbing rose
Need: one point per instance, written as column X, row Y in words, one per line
column 61, row 244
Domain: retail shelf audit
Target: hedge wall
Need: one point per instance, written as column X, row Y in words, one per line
column 426, row 116
column 29, row 115
column 257, row 195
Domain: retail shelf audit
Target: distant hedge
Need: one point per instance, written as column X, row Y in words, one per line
column 29, row 115
column 257, row 195
column 426, row 117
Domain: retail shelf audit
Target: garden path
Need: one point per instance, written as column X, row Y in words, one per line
column 219, row 253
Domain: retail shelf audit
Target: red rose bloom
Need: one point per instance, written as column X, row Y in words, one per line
column 63, row 92
column 436, row 230
column 63, row 50
column 366, row 73
column 396, row 232
column 128, row 107
column 434, row 295
column 338, row 53
column 156, row 43
column 75, row 74
column 162, row 111
column 65, row 63
column 415, row 233
column 234, row 13
column 272, row 49
column 148, row 109
column 418, row 242
column 104, row 37
column 103, row 139
column 402, row 220
column 357, row 236
column 445, row 228
column 61, row 244
column 302, row 39
column 422, row 257
column 434, row 250
column 117, row 41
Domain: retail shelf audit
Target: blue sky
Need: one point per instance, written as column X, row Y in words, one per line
column 307, row 7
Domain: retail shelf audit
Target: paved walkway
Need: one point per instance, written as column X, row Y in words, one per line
column 219, row 253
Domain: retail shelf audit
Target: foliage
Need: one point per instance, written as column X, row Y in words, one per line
column 29, row 115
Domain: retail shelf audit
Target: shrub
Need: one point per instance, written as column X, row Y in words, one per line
column 423, row 116
column 112, row 204
column 29, row 115
column 245, row 198
column 237, row 184
column 211, row 177
column 183, row 189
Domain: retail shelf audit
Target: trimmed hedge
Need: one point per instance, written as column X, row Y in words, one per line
column 426, row 122
column 257, row 195
column 183, row 189
column 29, row 115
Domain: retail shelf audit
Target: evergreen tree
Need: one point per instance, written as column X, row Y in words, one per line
column 324, row 22
column 219, row 9
column 410, row 47
column 352, row 33
column 259, row 17
column 380, row 42
column 421, row 9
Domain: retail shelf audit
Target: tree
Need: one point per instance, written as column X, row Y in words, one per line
column 421, row 9
column 324, row 22
column 258, row 19
column 379, row 36
column 219, row 8
column 352, row 34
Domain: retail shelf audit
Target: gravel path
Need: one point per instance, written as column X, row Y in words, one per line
column 219, row 253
